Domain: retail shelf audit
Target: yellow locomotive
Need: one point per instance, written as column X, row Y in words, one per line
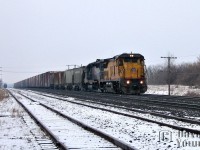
column 125, row 73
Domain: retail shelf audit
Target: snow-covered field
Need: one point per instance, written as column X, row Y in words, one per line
column 15, row 133
column 175, row 90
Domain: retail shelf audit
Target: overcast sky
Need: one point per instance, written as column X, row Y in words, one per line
column 41, row 35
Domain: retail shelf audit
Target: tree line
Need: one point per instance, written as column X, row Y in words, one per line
column 181, row 74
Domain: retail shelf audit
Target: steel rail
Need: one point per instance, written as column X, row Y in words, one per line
column 124, row 108
column 142, row 99
column 141, row 118
column 55, row 140
column 109, row 138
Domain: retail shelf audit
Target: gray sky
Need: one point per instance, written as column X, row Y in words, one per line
column 42, row 35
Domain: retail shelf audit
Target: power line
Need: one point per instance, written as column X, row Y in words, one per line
column 73, row 66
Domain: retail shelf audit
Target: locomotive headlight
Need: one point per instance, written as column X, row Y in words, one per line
column 128, row 82
column 141, row 82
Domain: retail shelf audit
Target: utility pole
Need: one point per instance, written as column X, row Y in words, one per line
column 169, row 73
column 1, row 81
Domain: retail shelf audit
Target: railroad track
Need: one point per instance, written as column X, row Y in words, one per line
column 190, row 99
column 177, row 101
column 177, row 127
column 67, row 132
column 151, row 103
column 189, row 129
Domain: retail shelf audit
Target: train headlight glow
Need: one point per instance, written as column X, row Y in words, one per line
column 131, row 55
column 141, row 82
column 128, row 82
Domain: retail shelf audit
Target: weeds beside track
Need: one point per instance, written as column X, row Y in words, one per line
column 3, row 94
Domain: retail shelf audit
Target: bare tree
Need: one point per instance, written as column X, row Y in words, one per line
column 185, row 74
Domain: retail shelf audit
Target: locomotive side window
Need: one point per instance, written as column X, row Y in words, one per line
column 142, row 62
column 120, row 62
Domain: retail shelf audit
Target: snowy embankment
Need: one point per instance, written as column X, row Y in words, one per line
column 175, row 90
column 17, row 130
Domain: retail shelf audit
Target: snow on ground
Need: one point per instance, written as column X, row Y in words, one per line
column 15, row 132
column 138, row 133
column 175, row 90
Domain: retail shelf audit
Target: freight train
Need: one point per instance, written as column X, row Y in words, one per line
column 124, row 73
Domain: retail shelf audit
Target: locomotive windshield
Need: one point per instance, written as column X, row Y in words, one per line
column 134, row 60
column 131, row 59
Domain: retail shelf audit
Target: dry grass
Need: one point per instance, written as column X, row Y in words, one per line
column 189, row 93
column 3, row 94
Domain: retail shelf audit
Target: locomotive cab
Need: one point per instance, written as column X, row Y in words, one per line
column 125, row 73
column 132, row 74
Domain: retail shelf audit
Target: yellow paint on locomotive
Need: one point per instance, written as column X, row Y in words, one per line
column 134, row 70
column 120, row 69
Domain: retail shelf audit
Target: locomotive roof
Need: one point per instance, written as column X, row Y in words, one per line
column 124, row 55
column 135, row 55
column 98, row 61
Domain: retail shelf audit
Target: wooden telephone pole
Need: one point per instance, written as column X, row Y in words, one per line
column 1, row 80
column 169, row 72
